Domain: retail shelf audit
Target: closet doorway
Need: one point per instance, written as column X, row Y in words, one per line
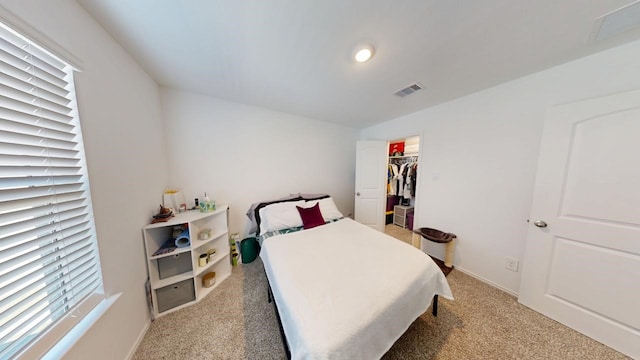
column 402, row 172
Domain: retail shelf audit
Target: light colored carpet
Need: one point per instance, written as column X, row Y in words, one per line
column 398, row 233
column 237, row 322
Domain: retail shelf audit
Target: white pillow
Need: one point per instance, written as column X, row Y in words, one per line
column 327, row 208
column 251, row 213
column 280, row 216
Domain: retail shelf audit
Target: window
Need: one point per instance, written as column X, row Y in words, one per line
column 49, row 265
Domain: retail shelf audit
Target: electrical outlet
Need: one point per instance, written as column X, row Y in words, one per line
column 511, row 264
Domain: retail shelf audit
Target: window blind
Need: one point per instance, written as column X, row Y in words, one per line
column 49, row 265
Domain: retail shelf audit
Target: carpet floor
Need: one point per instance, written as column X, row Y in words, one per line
column 398, row 232
column 236, row 322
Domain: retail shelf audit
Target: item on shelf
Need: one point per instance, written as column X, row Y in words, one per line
column 167, row 247
column 209, row 279
column 183, row 240
column 203, row 259
column 204, row 234
column 207, row 204
column 396, row 148
column 164, row 215
column 177, row 230
column 174, row 198
column 211, row 253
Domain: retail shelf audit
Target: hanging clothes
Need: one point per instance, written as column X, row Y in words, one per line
column 408, row 188
column 401, row 178
column 392, row 183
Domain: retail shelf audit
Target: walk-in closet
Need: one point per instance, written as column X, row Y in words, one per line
column 402, row 175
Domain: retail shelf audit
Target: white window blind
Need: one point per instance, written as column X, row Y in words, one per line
column 49, row 265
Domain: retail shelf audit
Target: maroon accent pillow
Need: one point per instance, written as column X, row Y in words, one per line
column 311, row 217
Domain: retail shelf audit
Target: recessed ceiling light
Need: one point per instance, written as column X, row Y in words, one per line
column 363, row 53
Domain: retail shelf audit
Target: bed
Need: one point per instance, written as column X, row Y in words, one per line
column 342, row 290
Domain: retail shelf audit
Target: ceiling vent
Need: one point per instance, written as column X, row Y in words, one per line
column 409, row 90
column 616, row 22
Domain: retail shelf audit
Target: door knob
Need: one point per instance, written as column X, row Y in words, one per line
column 540, row 224
column 357, row 194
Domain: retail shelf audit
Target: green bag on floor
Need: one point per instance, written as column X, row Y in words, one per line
column 249, row 249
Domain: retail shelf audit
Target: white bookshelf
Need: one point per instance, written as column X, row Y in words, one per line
column 184, row 287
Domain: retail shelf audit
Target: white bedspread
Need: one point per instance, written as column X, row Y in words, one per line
column 346, row 291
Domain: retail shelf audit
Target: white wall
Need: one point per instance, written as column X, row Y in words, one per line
column 122, row 128
column 242, row 154
column 478, row 156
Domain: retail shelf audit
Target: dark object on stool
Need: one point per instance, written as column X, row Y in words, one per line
column 442, row 238
column 249, row 248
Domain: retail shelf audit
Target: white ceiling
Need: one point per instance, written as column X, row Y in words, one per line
column 295, row 55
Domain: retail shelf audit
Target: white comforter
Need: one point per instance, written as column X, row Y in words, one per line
column 346, row 291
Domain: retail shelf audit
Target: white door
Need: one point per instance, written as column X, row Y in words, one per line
column 583, row 268
column 371, row 183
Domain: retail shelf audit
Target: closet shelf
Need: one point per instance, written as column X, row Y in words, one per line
column 403, row 156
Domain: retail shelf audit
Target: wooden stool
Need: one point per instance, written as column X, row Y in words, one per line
column 438, row 236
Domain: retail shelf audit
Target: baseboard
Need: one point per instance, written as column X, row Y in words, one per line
column 488, row 282
column 139, row 340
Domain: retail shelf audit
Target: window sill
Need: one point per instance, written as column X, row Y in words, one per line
column 75, row 334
